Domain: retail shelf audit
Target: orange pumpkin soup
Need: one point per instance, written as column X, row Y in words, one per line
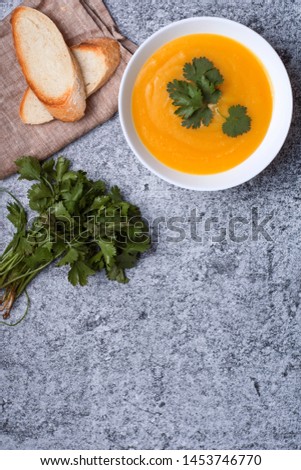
column 205, row 150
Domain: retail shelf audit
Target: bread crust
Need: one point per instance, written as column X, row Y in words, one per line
column 71, row 105
column 23, row 104
column 74, row 106
column 47, row 117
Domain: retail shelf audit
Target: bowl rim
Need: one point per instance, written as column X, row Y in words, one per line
column 245, row 170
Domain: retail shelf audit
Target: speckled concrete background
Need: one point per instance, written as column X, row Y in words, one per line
column 202, row 348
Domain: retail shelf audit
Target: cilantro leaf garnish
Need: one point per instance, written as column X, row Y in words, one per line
column 200, row 68
column 214, row 76
column 195, row 98
column 186, row 96
column 203, row 115
column 238, row 122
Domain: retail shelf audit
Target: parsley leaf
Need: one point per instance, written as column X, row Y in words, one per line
column 116, row 273
column 108, row 250
column 69, row 258
column 215, row 76
column 48, row 167
column 79, row 273
column 62, row 166
column 73, row 196
column 200, row 68
column 115, row 194
column 61, row 212
column 39, row 195
column 29, row 168
column 40, row 257
column 186, row 96
column 202, row 115
column 193, row 97
column 238, row 122
column 16, row 215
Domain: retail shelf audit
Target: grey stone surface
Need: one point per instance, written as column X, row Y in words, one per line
column 202, row 348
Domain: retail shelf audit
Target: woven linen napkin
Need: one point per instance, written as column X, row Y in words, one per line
column 78, row 20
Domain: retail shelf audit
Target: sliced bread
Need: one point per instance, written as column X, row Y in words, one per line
column 98, row 60
column 32, row 111
column 49, row 68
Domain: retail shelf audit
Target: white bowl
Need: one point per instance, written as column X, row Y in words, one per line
column 282, row 104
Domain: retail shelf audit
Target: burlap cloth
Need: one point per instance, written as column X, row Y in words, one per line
column 78, row 20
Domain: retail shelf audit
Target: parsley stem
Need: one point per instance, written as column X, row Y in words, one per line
column 224, row 117
column 28, row 273
column 6, row 254
column 11, row 264
column 48, row 184
column 23, row 316
column 7, row 263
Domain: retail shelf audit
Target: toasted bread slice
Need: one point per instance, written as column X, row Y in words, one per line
column 49, row 68
column 32, row 111
column 98, row 60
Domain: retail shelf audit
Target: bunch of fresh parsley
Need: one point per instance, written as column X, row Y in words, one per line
column 196, row 96
column 79, row 223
